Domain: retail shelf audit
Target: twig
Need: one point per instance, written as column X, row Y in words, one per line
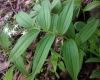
column 12, row 6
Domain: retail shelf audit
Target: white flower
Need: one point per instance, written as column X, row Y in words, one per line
column 24, row 32
column 13, row 32
column 16, row 26
column 6, row 29
column 9, row 33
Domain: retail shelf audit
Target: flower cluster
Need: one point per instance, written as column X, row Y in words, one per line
column 12, row 31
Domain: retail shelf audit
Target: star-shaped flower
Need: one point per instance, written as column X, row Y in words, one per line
column 16, row 26
column 13, row 31
column 6, row 29
column 9, row 33
column 24, row 32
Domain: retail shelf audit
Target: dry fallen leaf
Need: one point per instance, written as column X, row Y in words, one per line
column 3, row 65
column 27, row 3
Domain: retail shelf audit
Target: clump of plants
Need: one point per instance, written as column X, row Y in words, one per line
column 55, row 19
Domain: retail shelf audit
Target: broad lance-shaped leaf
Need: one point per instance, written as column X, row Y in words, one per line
column 65, row 18
column 24, row 20
column 71, row 58
column 87, row 31
column 44, row 17
column 71, row 31
column 5, row 42
column 91, row 5
column 79, row 25
column 41, row 53
column 61, row 66
column 53, row 25
column 54, row 3
column 23, row 44
column 76, row 11
column 20, row 65
column 95, row 74
column 81, row 55
column 37, row 7
column 58, row 7
column 9, row 74
column 33, row 14
column 77, row 2
column 93, row 60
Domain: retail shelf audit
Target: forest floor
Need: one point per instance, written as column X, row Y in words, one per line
column 12, row 7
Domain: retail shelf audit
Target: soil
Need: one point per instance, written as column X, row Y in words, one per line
column 11, row 7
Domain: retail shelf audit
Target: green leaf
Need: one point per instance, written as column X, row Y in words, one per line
column 24, row 20
column 77, row 2
column 97, row 32
column 61, row 66
column 81, row 55
column 71, row 58
column 4, row 38
column 92, row 41
column 91, row 5
column 71, row 31
column 9, row 74
column 23, row 44
column 87, row 31
column 77, row 41
column 64, row 3
column 79, row 25
column 33, row 14
column 57, row 75
column 95, row 74
column 24, row 57
column 91, row 19
column 44, row 17
column 41, row 53
column 54, row 3
column 53, row 25
column 20, row 65
column 65, row 18
column 76, row 11
column 55, row 55
column 29, row 77
column 93, row 52
column 58, row 7
column 93, row 60
column 97, row 15
column 54, row 64
column 37, row 7
column 84, row 46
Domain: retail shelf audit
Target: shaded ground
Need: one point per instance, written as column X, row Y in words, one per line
column 11, row 7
